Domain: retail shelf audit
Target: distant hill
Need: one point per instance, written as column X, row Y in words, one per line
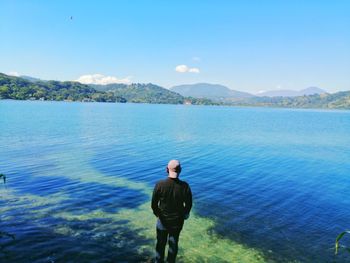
column 210, row 91
column 32, row 79
column 338, row 100
column 19, row 88
column 150, row 93
column 291, row 93
column 142, row 93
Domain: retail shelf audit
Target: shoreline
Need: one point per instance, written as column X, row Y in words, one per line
column 187, row 105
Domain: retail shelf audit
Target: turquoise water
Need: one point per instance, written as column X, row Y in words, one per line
column 269, row 184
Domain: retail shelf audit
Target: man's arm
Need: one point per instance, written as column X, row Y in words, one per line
column 155, row 201
column 188, row 202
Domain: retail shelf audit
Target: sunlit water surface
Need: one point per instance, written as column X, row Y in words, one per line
column 268, row 184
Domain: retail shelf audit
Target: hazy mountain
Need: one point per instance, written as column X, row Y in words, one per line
column 291, row 93
column 29, row 78
column 21, row 89
column 312, row 91
column 210, row 91
column 338, row 100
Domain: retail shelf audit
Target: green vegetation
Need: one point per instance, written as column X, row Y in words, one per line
column 199, row 101
column 22, row 89
column 340, row 236
column 18, row 88
column 142, row 93
column 339, row 100
column 2, row 233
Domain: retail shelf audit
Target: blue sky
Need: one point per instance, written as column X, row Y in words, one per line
column 247, row 45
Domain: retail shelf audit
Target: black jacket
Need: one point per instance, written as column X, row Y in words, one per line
column 172, row 202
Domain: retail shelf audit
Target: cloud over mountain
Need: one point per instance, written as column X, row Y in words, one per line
column 13, row 73
column 101, row 79
column 186, row 69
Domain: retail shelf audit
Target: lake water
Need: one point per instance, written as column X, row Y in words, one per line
column 269, row 185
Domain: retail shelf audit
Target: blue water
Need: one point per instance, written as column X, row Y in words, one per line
column 275, row 180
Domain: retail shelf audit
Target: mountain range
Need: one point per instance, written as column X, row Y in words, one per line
column 29, row 88
column 291, row 93
column 211, row 91
column 218, row 92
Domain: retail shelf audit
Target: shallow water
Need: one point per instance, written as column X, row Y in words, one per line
column 268, row 184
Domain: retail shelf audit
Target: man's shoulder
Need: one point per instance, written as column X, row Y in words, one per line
column 168, row 182
column 184, row 183
column 161, row 182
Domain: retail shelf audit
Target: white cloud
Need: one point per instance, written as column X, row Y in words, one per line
column 185, row 68
column 181, row 68
column 102, row 79
column 194, row 70
column 13, row 73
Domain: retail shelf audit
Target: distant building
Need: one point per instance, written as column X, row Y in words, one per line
column 87, row 100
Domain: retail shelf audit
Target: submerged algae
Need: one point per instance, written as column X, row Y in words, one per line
column 197, row 242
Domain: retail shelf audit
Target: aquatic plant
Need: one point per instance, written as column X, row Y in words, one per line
column 339, row 237
column 5, row 234
column 3, row 177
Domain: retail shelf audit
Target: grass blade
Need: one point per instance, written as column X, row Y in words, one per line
column 340, row 236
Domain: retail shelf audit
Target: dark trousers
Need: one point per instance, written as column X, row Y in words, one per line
column 162, row 237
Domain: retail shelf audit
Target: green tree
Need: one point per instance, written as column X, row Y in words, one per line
column 4, row 92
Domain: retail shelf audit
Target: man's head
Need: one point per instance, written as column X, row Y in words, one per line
column 174, row 169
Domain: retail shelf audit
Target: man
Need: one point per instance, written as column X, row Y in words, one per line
column 171, row 204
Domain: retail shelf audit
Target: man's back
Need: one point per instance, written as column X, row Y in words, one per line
column 172, row 202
